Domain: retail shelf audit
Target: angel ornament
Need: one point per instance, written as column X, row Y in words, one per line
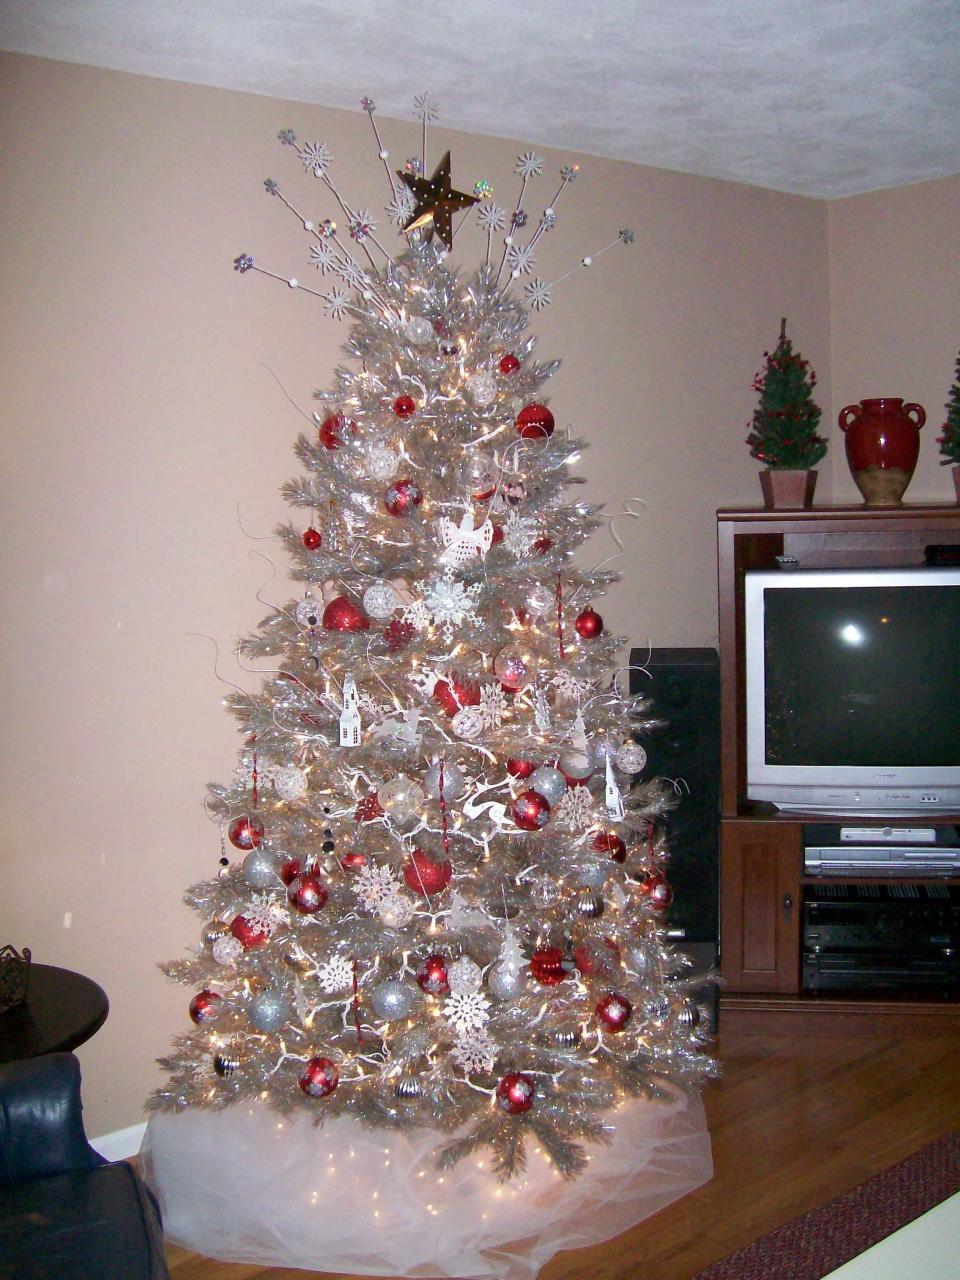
column 462, row 542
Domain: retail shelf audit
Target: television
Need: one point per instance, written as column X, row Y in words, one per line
column 853, row 690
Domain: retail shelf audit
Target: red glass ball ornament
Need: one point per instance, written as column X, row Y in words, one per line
column 509, row 364
column 249, row 935
column 319, row 1077
column 342, row 614
column 245, row 832
column 311, row 539
column 307, row 894
column 530, row 811
column 614, row 1011
column 424, row 876
column 515, row 1093
column 354, row 861
column 404, row 406
column 402, row 497
column 657, row 889
column 609, row 842
column 432, row 976
column 546, row 965
column 455, row 694
column 205, row 1007
column 542, row 545
column 589, row 624
column 290, row 868
column 520, row 768
column 332, row 430
column 535, row 422
column 497, row 535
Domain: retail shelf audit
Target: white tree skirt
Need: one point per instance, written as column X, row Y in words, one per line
column 248, row 1185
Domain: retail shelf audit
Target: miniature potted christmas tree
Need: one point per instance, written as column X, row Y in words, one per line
column 949, row 439
column 783, row 433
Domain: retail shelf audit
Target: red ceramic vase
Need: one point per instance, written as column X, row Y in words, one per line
column 882, row 440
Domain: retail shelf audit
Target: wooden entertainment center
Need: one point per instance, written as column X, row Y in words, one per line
column 762, row 879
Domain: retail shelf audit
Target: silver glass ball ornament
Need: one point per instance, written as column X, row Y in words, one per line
column 380, row 600
column 464, row 976
column 539, row 600
column 382, row 463
column 391, row 1000
column 418, row 330
column 549, row 783
column 511, row 666
column 226, row 1061
column 213, row 930
column 544, row 891
column 454, row 783
column 268, row 1011
column 686, row 1012
column 600, row 749
column 227, row 950
column 408, row 1088
column 593, row 875
column 631, row 757
column 478, row 475
column 309, row 612
column 289, row 782
column 507, row 981
column 589, row 904
column 575, row 764
column 657, row 1007
column 481, row 388
column 260, row 869
column 401, row 799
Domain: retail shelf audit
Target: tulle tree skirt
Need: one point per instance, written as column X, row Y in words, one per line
column 246, row 1184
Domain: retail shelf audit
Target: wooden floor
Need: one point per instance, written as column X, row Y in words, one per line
column 793, row 1122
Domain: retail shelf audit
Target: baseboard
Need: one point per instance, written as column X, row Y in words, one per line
column 121, row 1144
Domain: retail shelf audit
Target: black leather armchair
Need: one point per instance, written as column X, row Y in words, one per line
column 65, row 1212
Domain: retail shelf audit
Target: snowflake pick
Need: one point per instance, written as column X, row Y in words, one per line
column 336, row 975
column 467, row 1011
column 474, row 1051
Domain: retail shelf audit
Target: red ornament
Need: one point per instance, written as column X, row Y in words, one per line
column 402, row 496
column 542, row 545
column 530, row 811
column 609, row 842
column 369, row 809
column 432, row 976
column 515, row 1093
column 290, row 868
column 398, row 634
column 249, row 935
column 307, row 893
column 614, row 1011
column 497, row 535
column 423, row 875
column 509, row 364
column 342, row 614
column 319, row 1077
column 332, row 429
column 455, row 694
column 520, row 768
column 535, row 422
column 245, row 832
column 354, row 861
column 311, row 539
column 589, row 624
column 404, row 406
column 205, row 1007
column 657, row 889
column 546, row 965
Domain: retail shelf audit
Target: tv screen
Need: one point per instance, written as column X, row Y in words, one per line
column 853, row 689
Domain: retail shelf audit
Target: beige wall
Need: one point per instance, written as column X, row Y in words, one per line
column 138, row 412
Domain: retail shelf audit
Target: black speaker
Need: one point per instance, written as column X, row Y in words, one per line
column 684, row 685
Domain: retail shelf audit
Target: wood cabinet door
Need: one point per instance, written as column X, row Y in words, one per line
column 760, row 906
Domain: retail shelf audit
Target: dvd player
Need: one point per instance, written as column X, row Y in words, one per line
column 880, row 851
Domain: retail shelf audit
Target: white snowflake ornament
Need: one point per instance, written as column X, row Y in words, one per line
column 493, row 705
column 574, row 808
column 519, row 534
column 373, row 884
column 474, row 1051
column 467, row 1011
column 336, row 975
column 450, row 603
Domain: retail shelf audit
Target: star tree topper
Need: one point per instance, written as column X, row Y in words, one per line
column 436, row 202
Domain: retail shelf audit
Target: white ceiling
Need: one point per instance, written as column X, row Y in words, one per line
column 819, row 97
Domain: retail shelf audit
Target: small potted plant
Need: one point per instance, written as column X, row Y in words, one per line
column 783, row 433
column 949, row 439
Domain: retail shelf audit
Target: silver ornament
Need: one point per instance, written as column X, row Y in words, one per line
column 599, row 749
column 289, row 782
column 656, row 1008
column 227, row 951
column 382, row 463
column 506, row 981
column 481, row 388
column 549, row 783
column 511, row 666
column 631, row 757
column 544, row 891
column 567, row 1037
column 260, row 869
column 309, row 612
column 226, row 1061
column 454, row 783
column 589, row 904
column 396, row 911
column 575, row 764
column 464, row 976
column 478, row 475
column 213, row 930
column 380, row 600
column 408, row 1088
column 391, row 1000
column 419, row 330
column 268, row 1011
column 539, row 600
column 468, row 723
column 641, row 959
column 593, row 876
column 687, row 1012
column 401, row 799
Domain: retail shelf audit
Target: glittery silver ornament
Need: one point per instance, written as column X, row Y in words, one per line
column 544, row 891
column 481, row 388
column 454, row 783
column 382, row 463
column 419, row 330
column 213, row 930
column 468, row 723
column 631, row 757
column 507, row 981
column 589, row 904
column 289, row 782
column 593, row 876
column 268, row 1011
column 548, row 782
column 401, row 799
column 227, row 950
column 260, row 869
column 464, row 976
column 575, row 764
column 600, row 749
column 657, row 1007
column 309, row 611
column 396, row 911
column 226, row 1061
column 641, row 959
column 391, row 1000
column 408, row 1088
column 380, row 600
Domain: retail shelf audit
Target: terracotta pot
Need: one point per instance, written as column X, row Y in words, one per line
column 787, row 490
column 882, row 442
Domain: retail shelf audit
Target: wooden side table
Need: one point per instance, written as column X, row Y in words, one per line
column 62, row 1010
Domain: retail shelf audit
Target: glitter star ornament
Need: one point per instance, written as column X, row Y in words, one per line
column 436, row 201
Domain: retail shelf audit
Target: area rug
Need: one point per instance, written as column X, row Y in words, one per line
column 818, row 1242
